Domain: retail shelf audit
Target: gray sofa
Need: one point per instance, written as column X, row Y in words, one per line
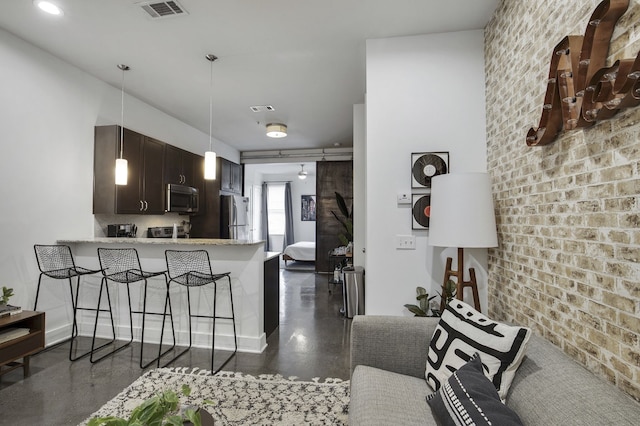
column 388, row 358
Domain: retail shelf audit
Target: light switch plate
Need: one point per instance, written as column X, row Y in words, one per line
column 405, row 242
column 404, row 198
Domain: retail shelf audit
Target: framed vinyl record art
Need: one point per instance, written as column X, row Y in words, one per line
column 425, row 165
column 420, row 211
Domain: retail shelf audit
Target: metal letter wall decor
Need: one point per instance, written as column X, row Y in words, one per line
column 580, row 89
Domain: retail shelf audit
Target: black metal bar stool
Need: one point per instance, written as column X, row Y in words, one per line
column 56, row 261
column 122, row 265
column 193, row 269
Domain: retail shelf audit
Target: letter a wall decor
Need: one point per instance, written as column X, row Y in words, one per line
column 580, row 89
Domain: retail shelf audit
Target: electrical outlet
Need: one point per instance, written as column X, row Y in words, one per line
column 404, row 198
column 405, row 242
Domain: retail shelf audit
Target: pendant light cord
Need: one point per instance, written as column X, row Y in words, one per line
column 123, row 68
column 210, row 104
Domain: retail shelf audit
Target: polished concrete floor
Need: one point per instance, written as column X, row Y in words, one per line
column 311, row 341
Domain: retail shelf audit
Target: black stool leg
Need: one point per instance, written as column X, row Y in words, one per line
column 117, row 349
column 213, row 333
column 35, row 305
column 74, row 332
column 104, row 283
column 173, row 331
column 163, row 319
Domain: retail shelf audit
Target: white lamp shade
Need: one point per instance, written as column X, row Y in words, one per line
column 462, row 213
column 121, row 171
column 276, row 130
column 210, row 165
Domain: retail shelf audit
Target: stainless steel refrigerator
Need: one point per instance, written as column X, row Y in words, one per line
column 234, row 217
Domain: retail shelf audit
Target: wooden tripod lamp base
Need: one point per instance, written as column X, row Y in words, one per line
column 461, row 284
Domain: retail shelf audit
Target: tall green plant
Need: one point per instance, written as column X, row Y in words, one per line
column 346, row 220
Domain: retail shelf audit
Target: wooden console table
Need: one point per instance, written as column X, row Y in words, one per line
column 24, row 346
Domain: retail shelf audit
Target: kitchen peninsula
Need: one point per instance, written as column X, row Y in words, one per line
column 244, row 259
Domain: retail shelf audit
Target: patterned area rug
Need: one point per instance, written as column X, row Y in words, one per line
column 242, row 399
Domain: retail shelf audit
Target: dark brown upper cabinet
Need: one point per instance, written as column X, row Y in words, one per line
column 230, row 177
column 144, row 192
column 179, row 166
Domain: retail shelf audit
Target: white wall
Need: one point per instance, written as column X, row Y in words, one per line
column 424, row 93
column 359, row 184
column 48, row 110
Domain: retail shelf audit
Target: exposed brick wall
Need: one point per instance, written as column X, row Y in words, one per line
column 568, row 214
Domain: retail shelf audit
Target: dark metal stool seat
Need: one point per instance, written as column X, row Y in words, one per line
column 193, row 269
column 122, row 265
column 56, row 261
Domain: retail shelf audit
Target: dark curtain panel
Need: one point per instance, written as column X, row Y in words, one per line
column 289, row 238
column 264, row 217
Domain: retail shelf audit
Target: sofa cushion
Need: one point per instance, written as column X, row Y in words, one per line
column 461, row 332
column 468, row 397
column 383, row 398
column 570, row 394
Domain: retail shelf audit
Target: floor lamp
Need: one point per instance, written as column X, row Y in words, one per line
column 462, row 216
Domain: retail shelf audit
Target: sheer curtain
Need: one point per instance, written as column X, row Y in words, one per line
column 264, row 217
column 288, row 217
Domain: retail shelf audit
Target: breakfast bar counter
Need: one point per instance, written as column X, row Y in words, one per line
column 244, row 259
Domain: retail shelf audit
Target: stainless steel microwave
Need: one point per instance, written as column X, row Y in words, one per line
column 182, row 199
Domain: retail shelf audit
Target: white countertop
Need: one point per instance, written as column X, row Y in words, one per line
column 271, row 254
column 161, row 241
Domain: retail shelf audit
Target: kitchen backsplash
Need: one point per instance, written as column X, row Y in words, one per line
column 141, row 221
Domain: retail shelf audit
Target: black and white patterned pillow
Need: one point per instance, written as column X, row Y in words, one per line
column 463, row 331
column 469, row 398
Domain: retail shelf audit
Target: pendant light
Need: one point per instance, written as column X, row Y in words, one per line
column 210, row 156
column 121, row 163
column 302, row 174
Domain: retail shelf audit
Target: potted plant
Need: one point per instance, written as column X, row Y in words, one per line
column 346, row 220
column 162, row 409
column 422, row 309
column 6, row 294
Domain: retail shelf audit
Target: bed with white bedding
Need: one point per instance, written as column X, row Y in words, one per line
column 304, row 251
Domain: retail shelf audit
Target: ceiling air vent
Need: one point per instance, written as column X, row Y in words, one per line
column 261, row 108
column 162, row 9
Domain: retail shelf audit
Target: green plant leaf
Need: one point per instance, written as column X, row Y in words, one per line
column 186, row 390
column 416, row 310
column 107, row 421
column 342, row 205
column 193, row 416
column 174, row 421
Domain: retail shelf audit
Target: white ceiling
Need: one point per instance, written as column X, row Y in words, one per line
column 304, row 57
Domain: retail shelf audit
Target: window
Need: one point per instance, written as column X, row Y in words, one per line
column 275, row 207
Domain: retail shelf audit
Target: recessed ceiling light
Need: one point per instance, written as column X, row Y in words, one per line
column 48, row 7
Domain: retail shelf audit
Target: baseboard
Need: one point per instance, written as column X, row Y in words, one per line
column 224, row 341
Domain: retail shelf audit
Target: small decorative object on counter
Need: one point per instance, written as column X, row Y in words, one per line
column 336, row 274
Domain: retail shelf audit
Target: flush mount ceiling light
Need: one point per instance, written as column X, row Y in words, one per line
column 302, row 174
column 210, row 156
column 47, row 6
column 276, row 130
column 121, row 163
